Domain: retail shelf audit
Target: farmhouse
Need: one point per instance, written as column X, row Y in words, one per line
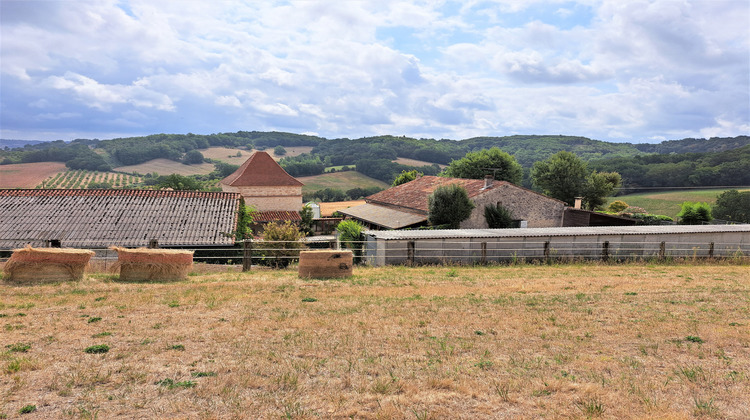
column 127, row 218
column 406, row 205
column 267, row 187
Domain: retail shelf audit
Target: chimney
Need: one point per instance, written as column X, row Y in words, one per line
column 577, row 205
column 487, row 182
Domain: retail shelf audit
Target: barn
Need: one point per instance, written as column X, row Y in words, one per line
column 94, row 219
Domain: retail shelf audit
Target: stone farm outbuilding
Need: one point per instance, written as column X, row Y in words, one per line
column 506, row 245
column 406, row 205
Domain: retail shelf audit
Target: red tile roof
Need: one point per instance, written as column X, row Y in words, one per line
column 130, row 218
column 260, row 170
column 413, row 195
column 274, row 216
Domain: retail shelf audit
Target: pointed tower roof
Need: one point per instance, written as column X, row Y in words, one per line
column 260, row 170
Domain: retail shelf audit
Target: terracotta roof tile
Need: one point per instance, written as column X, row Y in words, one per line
column 413, row 195
column 274, row 216
column 260, row 170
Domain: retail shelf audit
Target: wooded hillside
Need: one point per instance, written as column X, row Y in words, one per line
column 672, row 163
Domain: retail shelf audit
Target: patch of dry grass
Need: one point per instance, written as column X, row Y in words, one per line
column 568, row 341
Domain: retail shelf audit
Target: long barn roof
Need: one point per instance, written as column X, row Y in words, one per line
column 130, row 218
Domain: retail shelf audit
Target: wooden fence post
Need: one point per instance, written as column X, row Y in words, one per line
column 410, row 252
column 247, row 254
column 662, row 250
column 546, row 251
column 605, row 251
column 484, row 252
column 711, row 250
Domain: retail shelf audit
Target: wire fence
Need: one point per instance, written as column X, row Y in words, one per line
column 254, row 253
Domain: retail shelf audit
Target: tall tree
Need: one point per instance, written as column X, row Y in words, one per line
column 599, row 186
column 562, row 176
column 733, row 205
column 475, row 165
column 449, row 205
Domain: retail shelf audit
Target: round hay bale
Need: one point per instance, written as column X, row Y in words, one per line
column 325, row 264
column 46, row 265
column 146, row 264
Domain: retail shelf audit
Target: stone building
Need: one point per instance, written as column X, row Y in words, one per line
column 406, row 205
column 267, row 187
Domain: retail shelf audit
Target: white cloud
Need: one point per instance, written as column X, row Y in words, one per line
column 636, row 70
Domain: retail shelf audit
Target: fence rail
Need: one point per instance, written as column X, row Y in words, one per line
column 409, row 252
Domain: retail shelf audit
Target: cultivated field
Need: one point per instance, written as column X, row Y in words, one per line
column 569, row 341
column 167, row 167
column 28, row 175
column 341, row 180
column 669, row 203
column 414, row 162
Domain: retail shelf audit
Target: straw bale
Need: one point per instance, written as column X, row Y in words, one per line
column 46, row 265
column 146, row 264
column 325, row 264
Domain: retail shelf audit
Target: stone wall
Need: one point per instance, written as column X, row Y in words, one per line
column 537, row 209
column 270, row 198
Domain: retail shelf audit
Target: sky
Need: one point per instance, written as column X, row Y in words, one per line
column 621, row 71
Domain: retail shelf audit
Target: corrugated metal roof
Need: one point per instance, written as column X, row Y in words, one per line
column 386, row 217
column 131, row 218
column 260, row 170
column 558, row 231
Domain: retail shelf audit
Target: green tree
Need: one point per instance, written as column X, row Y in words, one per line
column 498, row 217
column 475, row 165
column 449, row 205
column 193, row 157
column 178, row 182
column 599, row 186
column 562, row 176
column 694, row 213
column 733, row 205
column 279, row 151
column 306, row 225
column 406, row 176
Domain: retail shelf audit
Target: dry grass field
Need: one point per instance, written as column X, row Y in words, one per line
column 524, row 341
column 415, row 162
column 28, row 175
column 229, row 155
column 341, row 180
column 167, row 167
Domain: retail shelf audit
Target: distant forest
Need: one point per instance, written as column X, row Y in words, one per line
column 674, row 163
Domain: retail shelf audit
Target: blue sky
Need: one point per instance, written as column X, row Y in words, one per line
column 637, row 71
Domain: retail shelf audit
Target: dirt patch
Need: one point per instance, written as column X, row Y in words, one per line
column 28, row 175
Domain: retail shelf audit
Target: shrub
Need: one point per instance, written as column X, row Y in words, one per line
column 350, row 236
column 498, row 217
column 617, row 206
column 281, row 244
column 694, row 213
column 449, row 204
